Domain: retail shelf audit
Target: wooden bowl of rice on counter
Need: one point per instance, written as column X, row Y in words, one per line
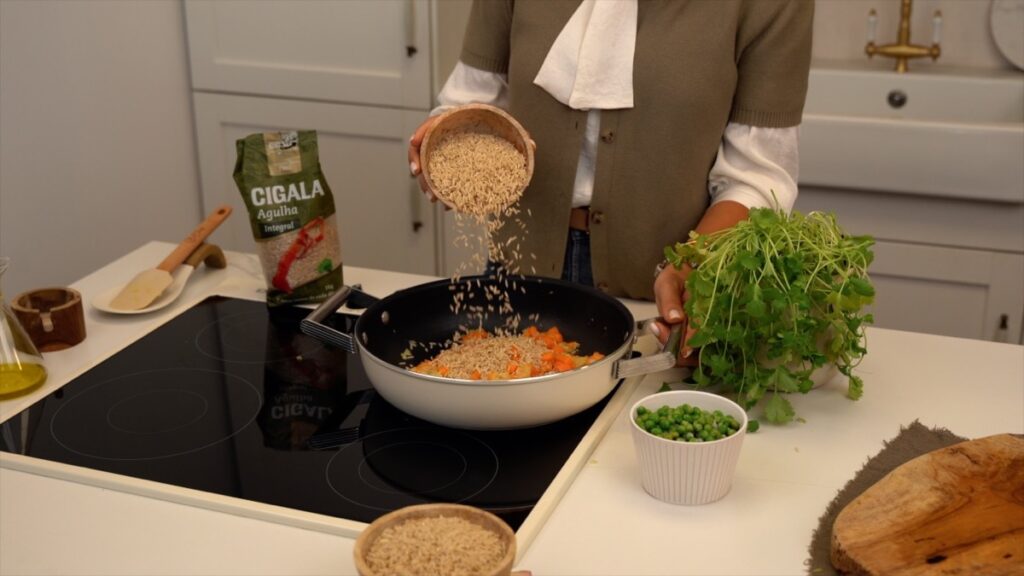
column 432, row 539
column 477, row 159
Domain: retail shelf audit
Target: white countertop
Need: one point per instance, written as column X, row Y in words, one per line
column 604, row 524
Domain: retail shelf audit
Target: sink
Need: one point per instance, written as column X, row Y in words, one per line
column 939, row 133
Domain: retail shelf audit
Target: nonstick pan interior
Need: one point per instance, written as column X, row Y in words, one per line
column 423, row 314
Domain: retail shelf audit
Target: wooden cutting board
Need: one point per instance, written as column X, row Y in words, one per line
column 957, row 510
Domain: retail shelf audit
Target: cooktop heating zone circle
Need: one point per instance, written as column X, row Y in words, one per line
column 155, row 414
column 393, row 468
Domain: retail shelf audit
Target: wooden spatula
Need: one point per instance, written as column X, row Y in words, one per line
column 149, row 284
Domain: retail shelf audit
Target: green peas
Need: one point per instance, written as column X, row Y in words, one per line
column 687, row 423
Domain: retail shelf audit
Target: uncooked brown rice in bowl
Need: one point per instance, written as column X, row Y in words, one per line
column 432, row 539
column 477, row 159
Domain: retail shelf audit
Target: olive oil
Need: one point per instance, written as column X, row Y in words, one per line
column 20, row 378
column 21, row 364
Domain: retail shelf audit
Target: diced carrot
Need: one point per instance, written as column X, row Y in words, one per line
column 479, row 334
column 557, row 355
column 563, row 366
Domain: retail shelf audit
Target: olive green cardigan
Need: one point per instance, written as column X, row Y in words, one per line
column 698, row 65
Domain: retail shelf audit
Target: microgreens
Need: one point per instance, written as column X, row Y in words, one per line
column 774, row 298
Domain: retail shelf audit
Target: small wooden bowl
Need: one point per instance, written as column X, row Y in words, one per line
column 480, row 119
column 53, row 318
column 477, row 516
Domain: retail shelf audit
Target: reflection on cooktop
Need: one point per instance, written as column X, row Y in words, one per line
column 231, row 398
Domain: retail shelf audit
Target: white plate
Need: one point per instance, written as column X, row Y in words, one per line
column 1007, row 21
column 179, row 278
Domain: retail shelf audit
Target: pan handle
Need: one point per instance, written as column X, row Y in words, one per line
column 313, row 325
column 663, row 360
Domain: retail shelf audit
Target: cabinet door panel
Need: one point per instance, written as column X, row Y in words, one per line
column 949, row 291
column 930, row 306
column 384, row 221
column 355, row 51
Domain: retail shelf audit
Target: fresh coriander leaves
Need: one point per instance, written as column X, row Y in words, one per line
column 772, row 299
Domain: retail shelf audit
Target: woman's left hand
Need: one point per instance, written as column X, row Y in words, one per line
column 415, row 162
column 670, row 294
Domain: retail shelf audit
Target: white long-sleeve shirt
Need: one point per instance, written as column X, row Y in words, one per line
column 755, row 166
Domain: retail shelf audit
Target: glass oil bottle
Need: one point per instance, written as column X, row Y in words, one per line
column 21, row 364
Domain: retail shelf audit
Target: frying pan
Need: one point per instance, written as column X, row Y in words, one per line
column 383, row 335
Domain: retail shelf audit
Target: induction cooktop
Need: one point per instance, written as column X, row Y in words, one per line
column 230, row 398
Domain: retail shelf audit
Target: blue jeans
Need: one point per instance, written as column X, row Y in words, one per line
column 576, row 267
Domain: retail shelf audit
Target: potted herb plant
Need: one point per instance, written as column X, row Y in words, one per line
column 774, row 298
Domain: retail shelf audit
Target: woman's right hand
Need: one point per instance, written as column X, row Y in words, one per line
column 415, row 166
column 670, row 295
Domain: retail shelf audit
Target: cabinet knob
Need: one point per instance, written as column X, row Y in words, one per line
column 1003, row 331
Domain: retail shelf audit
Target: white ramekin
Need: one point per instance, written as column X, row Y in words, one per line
column 688, row 472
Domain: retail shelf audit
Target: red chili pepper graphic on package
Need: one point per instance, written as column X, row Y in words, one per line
column 310, row 235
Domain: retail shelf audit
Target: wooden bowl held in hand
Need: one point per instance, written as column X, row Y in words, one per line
column 478, row 180
column 442, row 538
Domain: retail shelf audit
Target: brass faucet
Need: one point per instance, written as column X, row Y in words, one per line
column 903, row 50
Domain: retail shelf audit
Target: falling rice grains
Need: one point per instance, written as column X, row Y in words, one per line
column 479, row 235
column 483, row 177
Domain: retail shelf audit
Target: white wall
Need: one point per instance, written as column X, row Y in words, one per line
column 97, row 153
column 840, row 31
column 451, row 17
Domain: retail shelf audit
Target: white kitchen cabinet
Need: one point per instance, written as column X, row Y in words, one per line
column 949, row 291
column 374, row 52
column 356, row 71
column 942, row 265
column 384, row 220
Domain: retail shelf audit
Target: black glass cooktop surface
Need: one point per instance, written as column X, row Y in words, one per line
column 231, row 398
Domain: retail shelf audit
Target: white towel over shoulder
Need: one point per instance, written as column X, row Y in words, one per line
column 590, row 64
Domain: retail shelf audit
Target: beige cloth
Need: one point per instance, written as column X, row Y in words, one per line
column 590, row 64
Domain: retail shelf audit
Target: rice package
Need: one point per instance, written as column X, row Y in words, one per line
column 291, row 212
